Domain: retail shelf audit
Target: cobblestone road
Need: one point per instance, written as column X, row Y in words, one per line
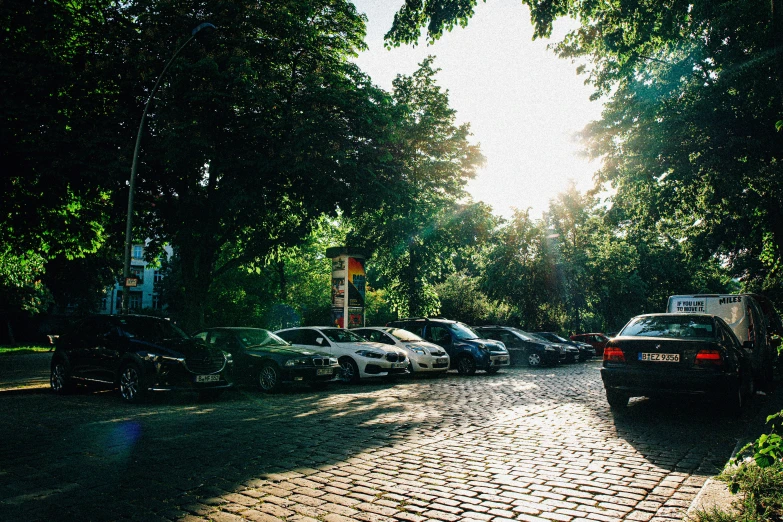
column 524, row 444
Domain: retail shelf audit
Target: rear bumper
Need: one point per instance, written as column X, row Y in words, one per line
column 643, row 382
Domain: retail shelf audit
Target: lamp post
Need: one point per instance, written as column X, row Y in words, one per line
column 132, row 185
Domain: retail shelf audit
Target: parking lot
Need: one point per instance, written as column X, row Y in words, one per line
column 525, row 444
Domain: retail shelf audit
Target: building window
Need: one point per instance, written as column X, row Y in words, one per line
column 158, row 276
column 157, row 302
column 104, row 303
column 138, row 251
column 137, row 271
column 134, row 301
column 118, row 302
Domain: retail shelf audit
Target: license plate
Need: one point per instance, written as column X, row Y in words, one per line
column 324, row 371
column 207, row 378
column 660, row 357
column 500, row 360
column 399, row 365
column 441, row 360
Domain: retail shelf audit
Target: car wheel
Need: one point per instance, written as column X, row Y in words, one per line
column 132, row 388
column 350, row 371
column 616, row 399
column 60, row 379
column 533, row 359
column 466, row 365
column 269, row 378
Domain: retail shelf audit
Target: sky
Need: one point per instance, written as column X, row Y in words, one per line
column 524, row 104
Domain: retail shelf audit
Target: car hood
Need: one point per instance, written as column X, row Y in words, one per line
column 284, row 350
column 178, row 348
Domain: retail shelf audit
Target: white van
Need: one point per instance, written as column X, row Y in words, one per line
column 746, row 318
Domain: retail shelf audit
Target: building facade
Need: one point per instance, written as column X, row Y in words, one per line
column 147, row 294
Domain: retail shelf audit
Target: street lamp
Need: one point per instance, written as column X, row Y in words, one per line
column 131, row 188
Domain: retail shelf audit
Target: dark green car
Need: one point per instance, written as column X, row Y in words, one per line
column 265, row 359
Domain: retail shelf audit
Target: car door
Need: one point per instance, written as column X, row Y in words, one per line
column 107, row 349
column 441, row 336
column 89, row 349
column 226, row 341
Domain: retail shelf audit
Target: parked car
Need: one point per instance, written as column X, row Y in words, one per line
column 677, row 354
column 596, row 340
column 137, row 354
column 467, row 351
column 570, row 353
column 423, row 356
column 358, row 357
column 522, row 348
column 586, row 351
column 266, row 360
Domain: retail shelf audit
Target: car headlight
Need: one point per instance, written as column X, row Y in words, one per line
column 369, row 354
column 482, row 347
column 550, row 349
column 297, row 362
column 163, row 358
column 416, row 349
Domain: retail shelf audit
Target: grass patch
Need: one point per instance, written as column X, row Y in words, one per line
column 24, row 348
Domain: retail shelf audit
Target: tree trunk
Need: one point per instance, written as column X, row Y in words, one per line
column 198, row 271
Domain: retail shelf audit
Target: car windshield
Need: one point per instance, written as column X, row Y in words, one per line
column 338, row 335
column 522, row 335
column 404, row 335
column 676, row 326
column 148, row 329
column 259, row 337
column 462, row 331
column 556, row 338
column 538, row 337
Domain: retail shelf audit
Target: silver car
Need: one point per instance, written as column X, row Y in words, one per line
column 424, row 356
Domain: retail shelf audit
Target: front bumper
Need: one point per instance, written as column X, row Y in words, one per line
column 429, row 363
column 174, row 375
column 311, row 374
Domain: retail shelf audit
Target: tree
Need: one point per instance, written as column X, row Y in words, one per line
column 688, row 137
column 411, row 229
column 258, row 130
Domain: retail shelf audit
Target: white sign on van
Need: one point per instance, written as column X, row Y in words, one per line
column 689, row 306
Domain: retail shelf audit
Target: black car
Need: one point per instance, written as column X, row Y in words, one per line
column 522, row 348
column 586, row 351
column 467, row 351
column 677, row 354
column 568, row 353
column 263, row 358
column 137, row 354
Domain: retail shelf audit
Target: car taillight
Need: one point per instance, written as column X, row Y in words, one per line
column 709, row 357
column 612, row 354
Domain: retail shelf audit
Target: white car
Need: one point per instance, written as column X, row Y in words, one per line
column 424, row 356
column 358, row 357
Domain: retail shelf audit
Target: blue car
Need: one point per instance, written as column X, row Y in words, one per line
column 467, row 351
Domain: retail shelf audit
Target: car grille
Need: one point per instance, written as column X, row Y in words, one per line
column 438, row 353
column 395, row 357
column 321, row 361
column 207, row 363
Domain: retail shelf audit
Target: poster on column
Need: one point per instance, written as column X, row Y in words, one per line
column 356, row 282
column 355, row 317
column 338, row 319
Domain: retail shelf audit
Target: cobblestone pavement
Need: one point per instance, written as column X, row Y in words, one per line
column 525, row 444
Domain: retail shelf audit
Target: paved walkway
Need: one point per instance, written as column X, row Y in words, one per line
column 530, row 445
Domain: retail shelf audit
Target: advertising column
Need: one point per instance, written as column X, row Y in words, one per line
column 348, row 286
